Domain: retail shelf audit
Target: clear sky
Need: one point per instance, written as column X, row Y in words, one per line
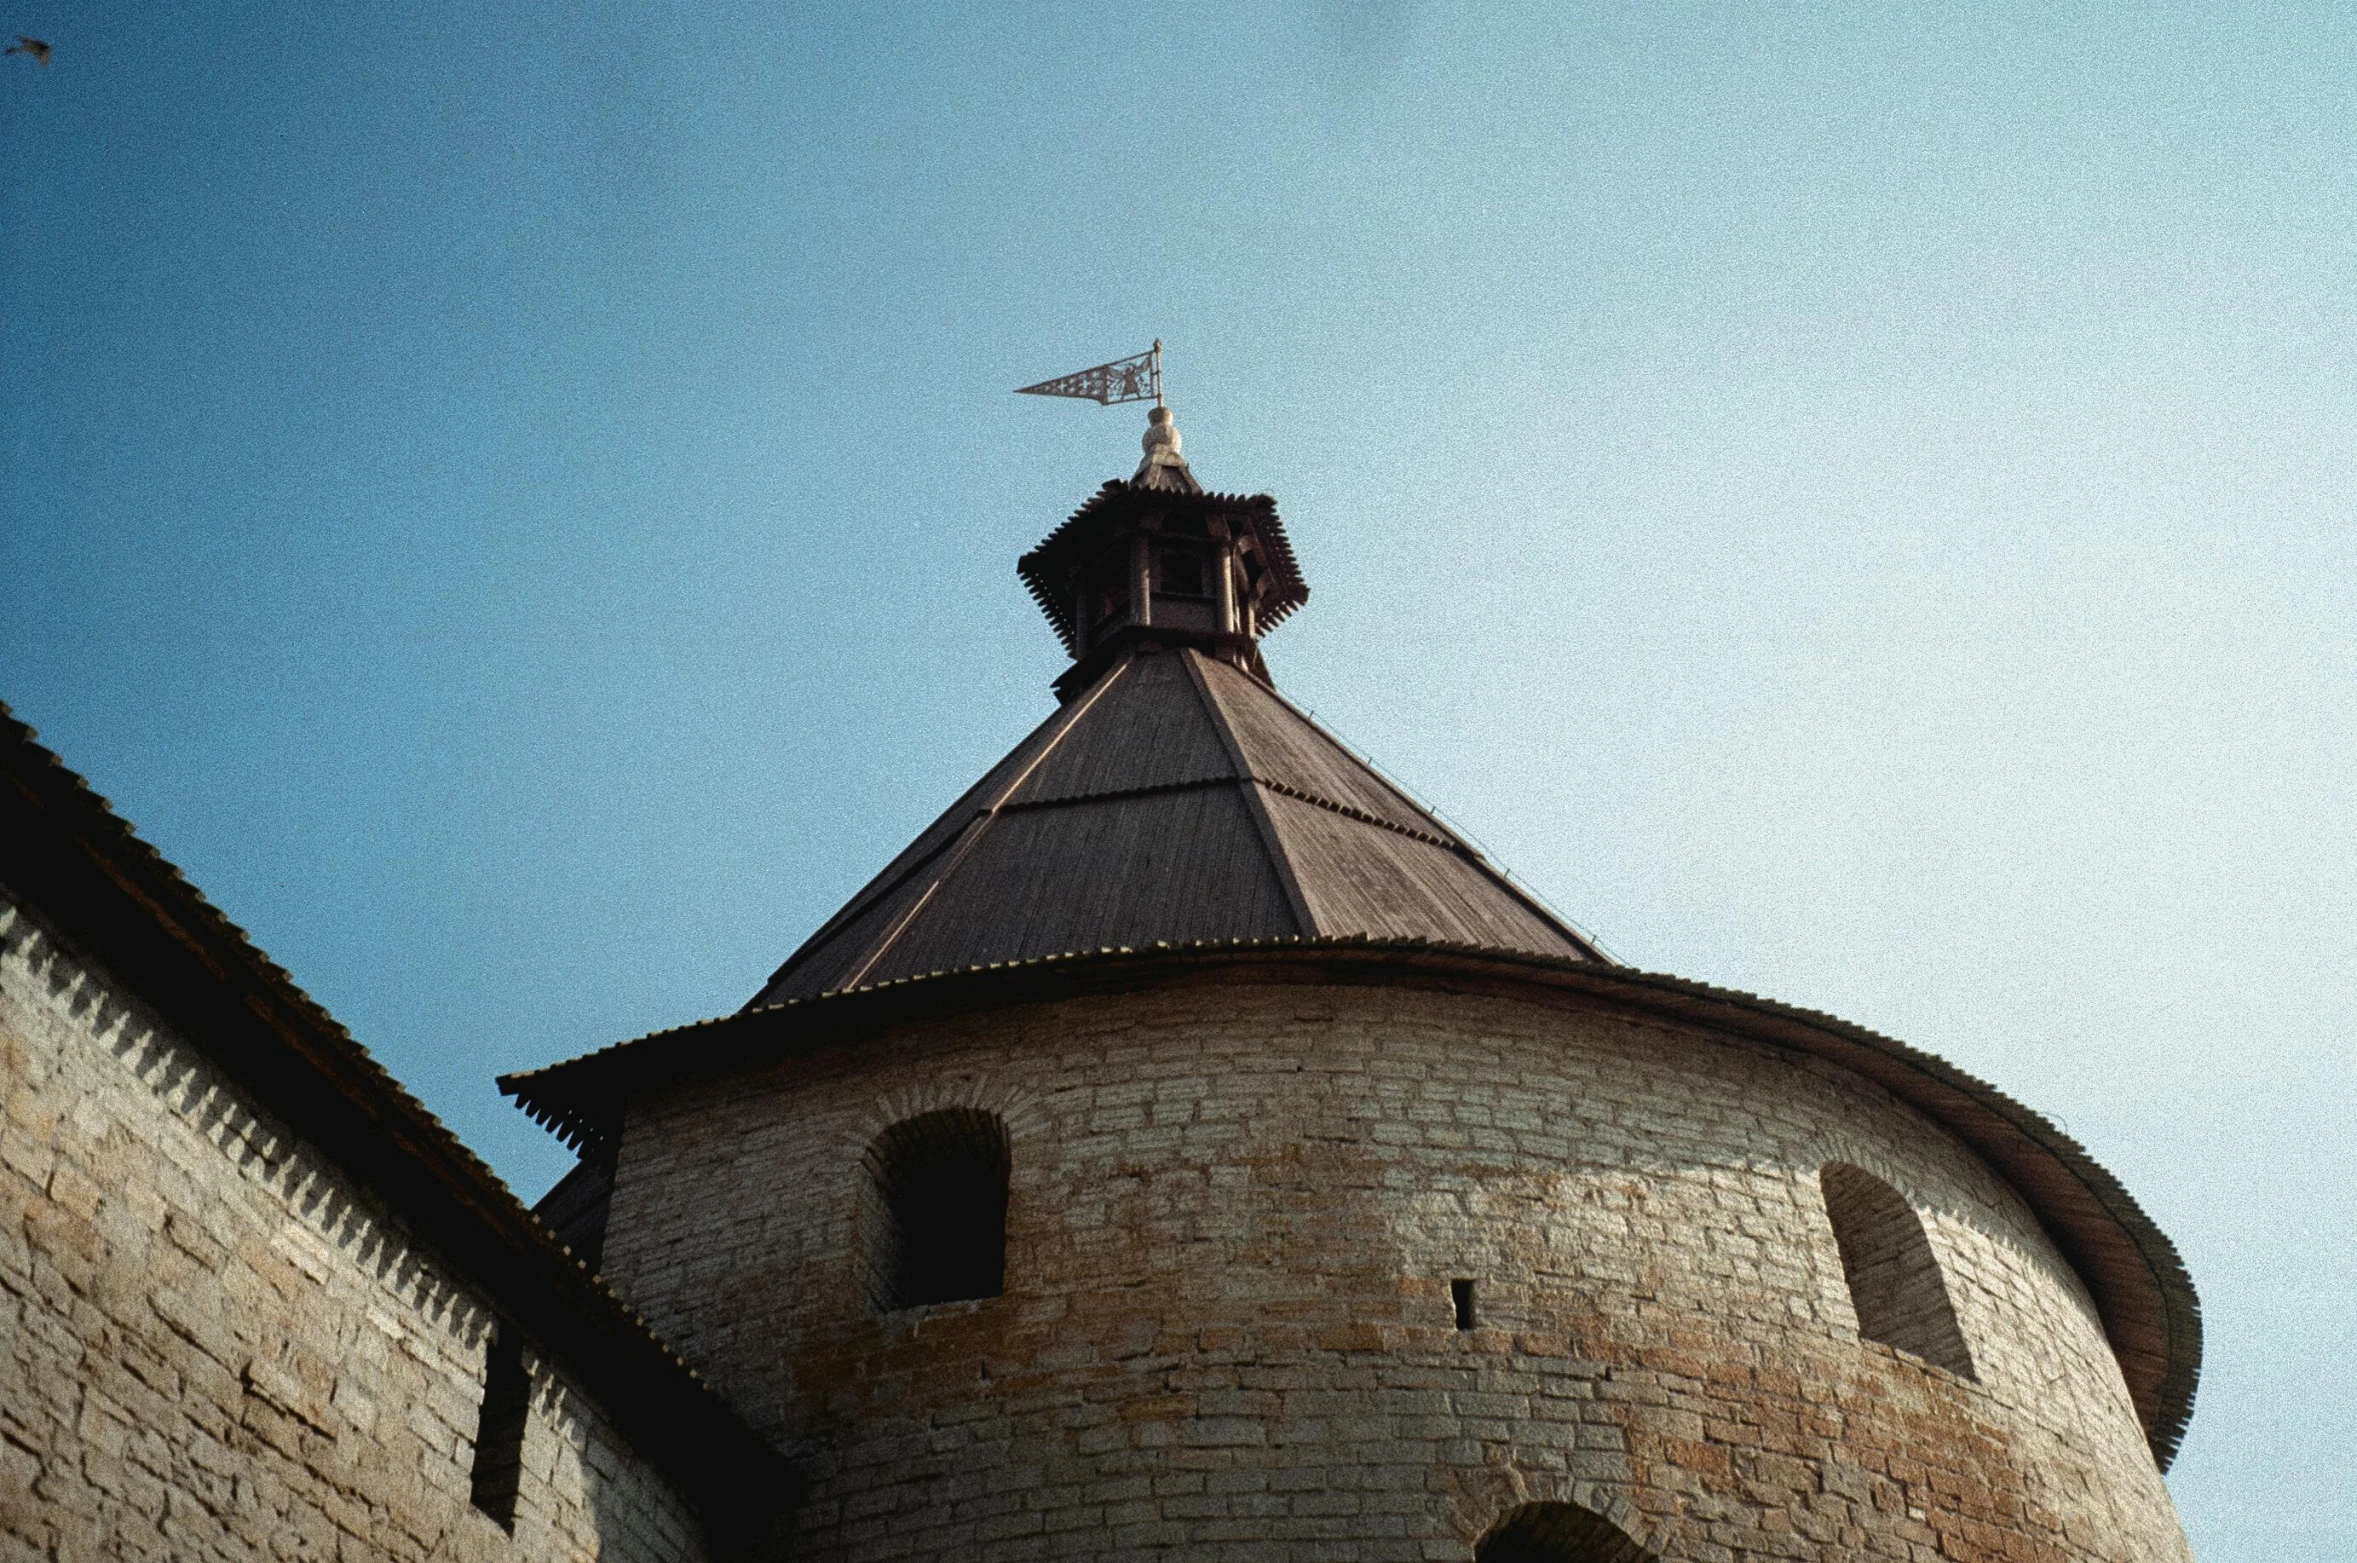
column 521, row 503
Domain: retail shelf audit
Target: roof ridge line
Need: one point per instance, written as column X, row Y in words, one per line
column 1264, row 826
column 881, row 886
column 872, row 894
column 973, row 829
column 1459, row 842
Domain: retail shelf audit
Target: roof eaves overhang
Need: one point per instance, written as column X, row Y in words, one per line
column 80, row 868
column 2142, row 1292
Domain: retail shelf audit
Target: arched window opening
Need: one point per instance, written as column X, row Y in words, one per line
column 933, row 1210
column 1558, row 1533
column 1896, row 1287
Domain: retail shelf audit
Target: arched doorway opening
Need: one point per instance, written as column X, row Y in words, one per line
column 1558, row 1533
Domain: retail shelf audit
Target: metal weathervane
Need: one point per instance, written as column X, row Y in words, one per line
column 1134, row 379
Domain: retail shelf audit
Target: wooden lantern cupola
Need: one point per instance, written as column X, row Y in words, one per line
column 1157, row 562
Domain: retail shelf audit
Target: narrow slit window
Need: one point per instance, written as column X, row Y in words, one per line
column 1896, row 1288
column 499, row 1433
column 933, row 1210
column 1461, row 1296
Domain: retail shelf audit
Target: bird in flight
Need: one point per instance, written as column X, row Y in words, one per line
column 31, row 48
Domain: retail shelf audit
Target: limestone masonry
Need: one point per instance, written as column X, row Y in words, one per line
column 1234, row 1216
column 221, row 1348
column 1189, row 1148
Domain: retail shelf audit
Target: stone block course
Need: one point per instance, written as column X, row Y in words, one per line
column 1234, row 1214
column 218, row 1349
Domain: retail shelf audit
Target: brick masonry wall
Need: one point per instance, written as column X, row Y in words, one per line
column 1898, row 1288
column 1228, row 1332
column 216, row 1348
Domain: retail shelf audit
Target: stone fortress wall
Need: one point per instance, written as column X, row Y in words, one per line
column 1229, row 1329
column 217, row 1348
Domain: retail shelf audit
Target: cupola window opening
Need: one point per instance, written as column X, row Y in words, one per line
column 1896, row 1288
column 1179, row 573
column 933, row 1210
column 1558, row 1533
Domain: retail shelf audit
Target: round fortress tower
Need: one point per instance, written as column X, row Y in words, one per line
column 1191, row 1147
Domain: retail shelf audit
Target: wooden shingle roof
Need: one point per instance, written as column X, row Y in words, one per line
column 1175, row 800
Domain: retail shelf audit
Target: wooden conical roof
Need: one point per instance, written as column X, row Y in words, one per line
column 1176, row 799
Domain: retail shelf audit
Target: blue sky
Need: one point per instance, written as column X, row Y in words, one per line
column 522, row 506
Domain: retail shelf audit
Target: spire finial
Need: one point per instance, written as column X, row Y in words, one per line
column 1132, row 379
column 1164, row 467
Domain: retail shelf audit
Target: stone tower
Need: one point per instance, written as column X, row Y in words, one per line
column 1191, row 1147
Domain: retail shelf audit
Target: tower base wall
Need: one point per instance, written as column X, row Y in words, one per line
column 1238, row 1218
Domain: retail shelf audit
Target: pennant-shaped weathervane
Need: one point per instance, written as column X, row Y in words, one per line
column 1133, row 379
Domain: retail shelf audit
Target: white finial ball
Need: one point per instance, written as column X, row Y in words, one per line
column 1161, row 433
